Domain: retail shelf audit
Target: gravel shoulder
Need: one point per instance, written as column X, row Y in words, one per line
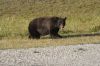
column 72, row 55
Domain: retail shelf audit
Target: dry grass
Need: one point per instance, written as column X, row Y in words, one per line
column 26, row 43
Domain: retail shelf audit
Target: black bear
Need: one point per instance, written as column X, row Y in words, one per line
column 46, row 25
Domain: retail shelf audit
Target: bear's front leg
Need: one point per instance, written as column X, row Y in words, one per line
column 54, row 33
column 59, row 36
column 55, row 36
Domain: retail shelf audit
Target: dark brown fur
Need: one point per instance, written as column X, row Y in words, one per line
column 46, row 25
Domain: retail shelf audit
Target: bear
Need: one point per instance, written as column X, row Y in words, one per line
column 42, row 26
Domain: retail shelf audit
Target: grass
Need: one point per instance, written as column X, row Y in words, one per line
column 15, row 15
column 26, row 43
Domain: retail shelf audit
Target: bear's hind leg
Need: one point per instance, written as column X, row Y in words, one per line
column 29, row 36
column 34, row 35
column 37, row 36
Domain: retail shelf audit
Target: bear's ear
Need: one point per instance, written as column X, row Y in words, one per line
column 65, row 18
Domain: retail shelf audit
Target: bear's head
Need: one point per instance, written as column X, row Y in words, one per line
column 61, row 22
column 58, row 22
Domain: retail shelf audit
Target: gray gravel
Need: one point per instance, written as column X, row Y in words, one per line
column 73, row 55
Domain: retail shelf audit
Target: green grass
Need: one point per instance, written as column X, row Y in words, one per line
column 15, row 15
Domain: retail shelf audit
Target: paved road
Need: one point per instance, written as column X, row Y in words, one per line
column 73, row 55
